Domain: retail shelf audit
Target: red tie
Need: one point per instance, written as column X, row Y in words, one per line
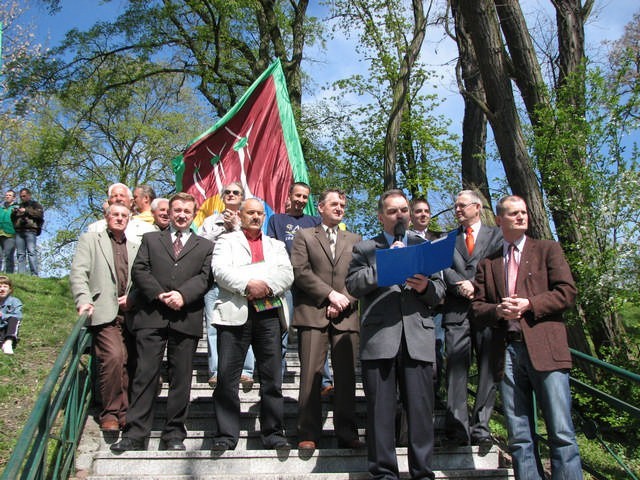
column 512, row 270
column 177, row 245
column 469, row 240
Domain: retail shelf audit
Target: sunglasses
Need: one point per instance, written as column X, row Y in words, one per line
column 235, row 192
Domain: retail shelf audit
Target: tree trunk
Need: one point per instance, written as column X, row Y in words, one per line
column 481, row 19
column 474, row 122
column 400, row 91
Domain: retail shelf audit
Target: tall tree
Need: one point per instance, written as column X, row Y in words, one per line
column 474, row 123
column 219, row 46
column 393, row 33
column 481, row 20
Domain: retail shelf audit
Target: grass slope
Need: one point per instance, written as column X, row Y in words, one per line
column 49, row 316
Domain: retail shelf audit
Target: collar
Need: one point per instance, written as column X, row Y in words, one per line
column 390, row 238
column 519, row 243
column 475, row 229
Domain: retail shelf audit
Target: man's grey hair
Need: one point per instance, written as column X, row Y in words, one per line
column 242, row 204
column 147, row 191
column 121, row 185
column 107, row 210
column 237, row 184
column 475, row 197
column 156, row 203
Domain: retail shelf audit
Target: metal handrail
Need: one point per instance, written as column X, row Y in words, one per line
column 47, row 445
column 591, row 430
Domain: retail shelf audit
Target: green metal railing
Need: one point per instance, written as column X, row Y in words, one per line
column 47, row 446
column 589, row 427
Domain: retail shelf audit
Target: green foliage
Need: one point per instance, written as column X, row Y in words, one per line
column 589, row 166
column 49, row 316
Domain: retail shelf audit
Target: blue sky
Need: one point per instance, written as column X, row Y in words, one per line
column 339, row 60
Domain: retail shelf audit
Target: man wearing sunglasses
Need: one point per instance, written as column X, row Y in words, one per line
column 212, row 228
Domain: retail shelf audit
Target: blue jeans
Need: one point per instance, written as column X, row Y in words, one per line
column 7, row 252
column 553, row 394
column 212, row 338
column 26, row 249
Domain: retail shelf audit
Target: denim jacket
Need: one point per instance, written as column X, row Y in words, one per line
column 11, row 307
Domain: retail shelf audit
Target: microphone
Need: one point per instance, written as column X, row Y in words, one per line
column 399, row 230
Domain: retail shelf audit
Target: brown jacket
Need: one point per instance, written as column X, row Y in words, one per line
column 545, row 279
column 317, row 274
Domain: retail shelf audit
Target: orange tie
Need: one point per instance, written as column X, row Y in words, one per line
column 469, row 240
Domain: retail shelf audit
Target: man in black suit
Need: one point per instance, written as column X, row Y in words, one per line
column 474, row 242
column 397, row 345
column 171, row 274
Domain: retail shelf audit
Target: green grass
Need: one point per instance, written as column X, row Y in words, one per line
column 49, row 316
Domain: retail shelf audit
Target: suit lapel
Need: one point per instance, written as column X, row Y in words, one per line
column 107, row 251
column 528, row 254
column 165, row 240
column 499, row 278
column 323, row 240
column 461, row 246
column 192, row 241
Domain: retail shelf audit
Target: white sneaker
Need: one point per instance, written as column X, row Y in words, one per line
column 7, row 347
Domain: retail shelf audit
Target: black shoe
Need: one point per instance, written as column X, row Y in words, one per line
column 279, row 443
column 127, row 445
column 483, row 442
column 174, row 444
column 221, row 446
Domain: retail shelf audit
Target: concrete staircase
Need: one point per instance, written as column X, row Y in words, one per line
column 249, row 461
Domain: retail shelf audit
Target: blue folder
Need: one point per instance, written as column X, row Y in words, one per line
column 395, row 265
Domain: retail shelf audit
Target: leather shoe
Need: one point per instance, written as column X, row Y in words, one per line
column 109, row 426
column 484, row 442
column 278, row 444
column 127, row 444
column 174, row 444
column 307, row 445
column 355, row 444
column 220, row 446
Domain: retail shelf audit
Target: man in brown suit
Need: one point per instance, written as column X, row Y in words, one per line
column 325, row 312
column 521, row 291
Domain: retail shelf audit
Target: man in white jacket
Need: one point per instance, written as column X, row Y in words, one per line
column 253, row 271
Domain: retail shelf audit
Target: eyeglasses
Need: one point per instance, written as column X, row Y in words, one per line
column 462, row 206
column 235, row 192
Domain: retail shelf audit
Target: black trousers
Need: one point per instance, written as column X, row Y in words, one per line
column 150, row 346
column 262, row 332
column 382, row 379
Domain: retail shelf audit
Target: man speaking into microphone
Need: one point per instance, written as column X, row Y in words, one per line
column 397, row 345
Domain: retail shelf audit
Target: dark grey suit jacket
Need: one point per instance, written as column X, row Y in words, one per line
column 155, row 271
column 456, row 307
column 387, row 312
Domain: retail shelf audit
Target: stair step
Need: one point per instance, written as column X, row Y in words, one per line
column 249, row 460
column 486, row 474
column 259, row 462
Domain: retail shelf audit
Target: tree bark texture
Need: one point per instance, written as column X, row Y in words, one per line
column 474, row 122
column 481, row 19
column 400, row 92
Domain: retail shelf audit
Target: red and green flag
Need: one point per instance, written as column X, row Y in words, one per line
column 256, row 143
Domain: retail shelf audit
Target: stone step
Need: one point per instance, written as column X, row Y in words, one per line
column 487, row 474
column 259, row 462
column 200, row 389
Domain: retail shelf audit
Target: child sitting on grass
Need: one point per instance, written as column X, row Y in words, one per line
column 10, row 315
